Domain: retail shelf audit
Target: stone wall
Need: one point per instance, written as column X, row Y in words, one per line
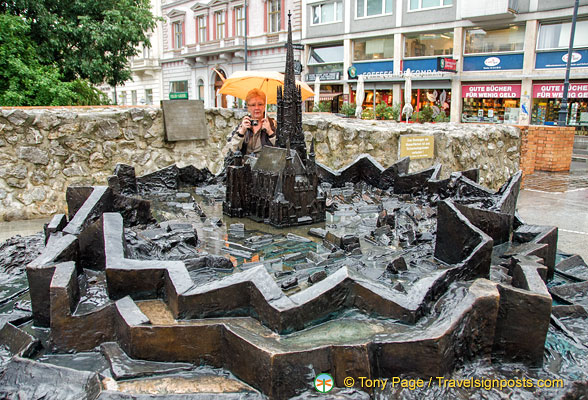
column 43, row 151
column 494, row 149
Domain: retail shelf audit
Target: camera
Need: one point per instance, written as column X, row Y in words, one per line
column 254, row 122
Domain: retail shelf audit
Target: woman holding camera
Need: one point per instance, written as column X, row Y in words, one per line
column 255, row 130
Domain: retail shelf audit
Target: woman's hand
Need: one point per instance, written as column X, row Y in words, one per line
column 245, row 124
column 267, row 126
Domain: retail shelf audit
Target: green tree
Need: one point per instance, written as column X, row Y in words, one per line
column 86, row 39
column 24, row 81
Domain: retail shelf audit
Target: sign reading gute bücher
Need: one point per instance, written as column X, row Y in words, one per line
column 417, row 146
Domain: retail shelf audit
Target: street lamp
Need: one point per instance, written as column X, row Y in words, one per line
column 563, row 109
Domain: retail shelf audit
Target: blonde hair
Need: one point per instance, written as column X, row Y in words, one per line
column 255, row 93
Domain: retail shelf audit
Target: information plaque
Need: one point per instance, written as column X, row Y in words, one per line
column 184, row 120
column 417, row 146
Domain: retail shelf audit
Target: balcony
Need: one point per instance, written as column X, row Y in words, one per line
column 144, row 64
column 484, row 10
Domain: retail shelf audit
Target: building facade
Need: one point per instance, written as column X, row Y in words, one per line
column 499, row 61
column 146, row 84
column 204, row 41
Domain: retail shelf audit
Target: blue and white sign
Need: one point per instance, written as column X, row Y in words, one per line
column 384, row 67
column 559, row 59
column 493, row 62
column 421, row 65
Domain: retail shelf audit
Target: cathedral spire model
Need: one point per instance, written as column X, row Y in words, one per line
column 290, row 104
column 280, row 186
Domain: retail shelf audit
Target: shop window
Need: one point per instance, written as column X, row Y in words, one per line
column 148, row 96
column 546, row 112
column 240, row 21
column 370, row 8
column 219, row 18
column 480, row 40
column 423, row 4
column 491, row 110
column 373, row 49
column 274, row 16
column 557, row 36
column 327, row 12
column 202, row 35
column 428, row 44
column 178, row 86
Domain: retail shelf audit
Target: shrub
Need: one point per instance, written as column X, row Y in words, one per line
column 426, row 114
column 368, row 113
column 381, row 110
column 395, row 111
column 441, row 117
column 323, row 106
column 348, row 109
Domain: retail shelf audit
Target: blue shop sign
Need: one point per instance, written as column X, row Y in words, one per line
column 378, row 66
column 421, row 65
column 559, row 59
column 493, row 62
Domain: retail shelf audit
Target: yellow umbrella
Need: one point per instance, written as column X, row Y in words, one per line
column 241, row 82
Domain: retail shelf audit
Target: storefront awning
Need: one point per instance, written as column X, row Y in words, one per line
column 329, row 96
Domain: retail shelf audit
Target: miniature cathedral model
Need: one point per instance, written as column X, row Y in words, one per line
column 280, row 187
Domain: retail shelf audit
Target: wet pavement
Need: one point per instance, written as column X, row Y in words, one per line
column 22, row 228
column 559, row 199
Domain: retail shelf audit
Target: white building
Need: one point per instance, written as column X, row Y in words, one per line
column 509, row 55
column 205, row 39
column 146, row 84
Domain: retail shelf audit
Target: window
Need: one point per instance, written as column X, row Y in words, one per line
column 134, row 97
column 178, row 86
column 480, row 40
column 325, row 59
column 148, row 96
column 202, row 29
column 369, row 8
column 373, row 49
column 146, row 50
column 178, row 35
column 557, row 36
column 321, row 55
column 421, row 4
column 200, row 89
column 123, row 98
column 274, row 16
column 220, row 24
column 428, row 44
column 240, row 21
column 328, row 12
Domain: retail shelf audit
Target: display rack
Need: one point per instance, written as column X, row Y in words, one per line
column 487, row 110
